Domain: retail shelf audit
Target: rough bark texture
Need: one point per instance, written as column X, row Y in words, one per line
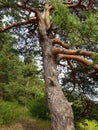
column 60, row 110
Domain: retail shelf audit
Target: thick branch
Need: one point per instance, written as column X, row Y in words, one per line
column 32, row 20
column 72, row 52
column 79, row 59
column 59, row 42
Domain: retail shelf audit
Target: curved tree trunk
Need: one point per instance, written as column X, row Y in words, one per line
column 60, row 110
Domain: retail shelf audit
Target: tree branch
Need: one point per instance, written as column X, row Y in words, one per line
column 59, row 42
column 79, row 59
column 79, row 4
column 72, row 52
column 22, row 6
column 32, row 20
column 27, row 7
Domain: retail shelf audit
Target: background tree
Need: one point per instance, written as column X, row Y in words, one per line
column 36, row 20
column 10, row 67
column 21, row 89
column 16, row 75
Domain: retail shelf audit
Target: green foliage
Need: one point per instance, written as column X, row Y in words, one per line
column 62, row 17
column 9, row 111
column 39, row 108
column 30, row 68
column 78, row 109
column 66, row 22
column 78, row 29
column 10, row 69
column 19, row 82
column 89, row 28
column 95, row 58
column 88, row 125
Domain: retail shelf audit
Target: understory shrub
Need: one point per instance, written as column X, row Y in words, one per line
column 9, row 111
column 39, row 108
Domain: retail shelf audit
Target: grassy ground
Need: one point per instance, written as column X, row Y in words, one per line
column 16, row 117
column 27, row 124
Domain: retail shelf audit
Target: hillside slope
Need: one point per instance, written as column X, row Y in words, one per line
column 26, row 125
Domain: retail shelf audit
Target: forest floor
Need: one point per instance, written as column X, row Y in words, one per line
column 27, row 125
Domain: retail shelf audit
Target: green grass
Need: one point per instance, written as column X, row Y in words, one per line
column 12, row 112
column 89, row 125
column 9, row 112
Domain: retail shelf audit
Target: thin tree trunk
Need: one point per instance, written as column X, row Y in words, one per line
column 60, row 110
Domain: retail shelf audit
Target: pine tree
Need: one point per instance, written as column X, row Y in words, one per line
column 36, row 20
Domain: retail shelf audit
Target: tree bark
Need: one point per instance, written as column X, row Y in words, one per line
column 60, row 110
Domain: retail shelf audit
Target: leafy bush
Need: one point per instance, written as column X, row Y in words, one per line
column 39, row 108
column 88, row 125
column 9, row 111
